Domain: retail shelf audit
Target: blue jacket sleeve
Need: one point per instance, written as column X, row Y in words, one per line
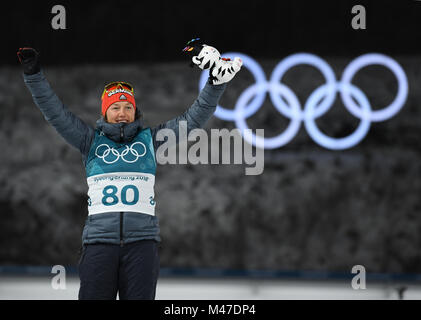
column 197, row 115
column 70, row 127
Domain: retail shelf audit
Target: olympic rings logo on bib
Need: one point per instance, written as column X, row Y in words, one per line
column 110, row 155
column 318, row 103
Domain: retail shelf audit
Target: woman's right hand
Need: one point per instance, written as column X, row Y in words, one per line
column 29, row 59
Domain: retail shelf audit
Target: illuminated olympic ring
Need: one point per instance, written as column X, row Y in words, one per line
column 104, row 153
column 318, row 103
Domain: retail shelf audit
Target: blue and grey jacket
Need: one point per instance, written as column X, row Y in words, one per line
column 119, row 160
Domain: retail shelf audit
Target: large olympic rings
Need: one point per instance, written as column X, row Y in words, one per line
column 318, row 103
column 103, row 152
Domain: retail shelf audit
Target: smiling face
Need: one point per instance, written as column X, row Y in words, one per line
column 121, row 111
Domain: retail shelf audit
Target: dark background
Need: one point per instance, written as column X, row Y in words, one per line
column 131, row 31
column 312, row 208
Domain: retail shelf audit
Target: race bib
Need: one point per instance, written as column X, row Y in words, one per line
column 121, row 191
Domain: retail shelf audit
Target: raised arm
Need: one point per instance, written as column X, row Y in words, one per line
column 221, row 71
column 69, row 126
column 197, row 115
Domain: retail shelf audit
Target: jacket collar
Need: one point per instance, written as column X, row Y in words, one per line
column 119, row 132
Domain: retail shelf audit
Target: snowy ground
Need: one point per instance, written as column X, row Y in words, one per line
column 40, row 288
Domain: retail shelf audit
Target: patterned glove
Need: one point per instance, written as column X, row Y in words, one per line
column 225, row 70
column 221, row 70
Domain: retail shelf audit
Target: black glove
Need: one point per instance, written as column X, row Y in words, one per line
column 193, row 48
column 29, row 59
